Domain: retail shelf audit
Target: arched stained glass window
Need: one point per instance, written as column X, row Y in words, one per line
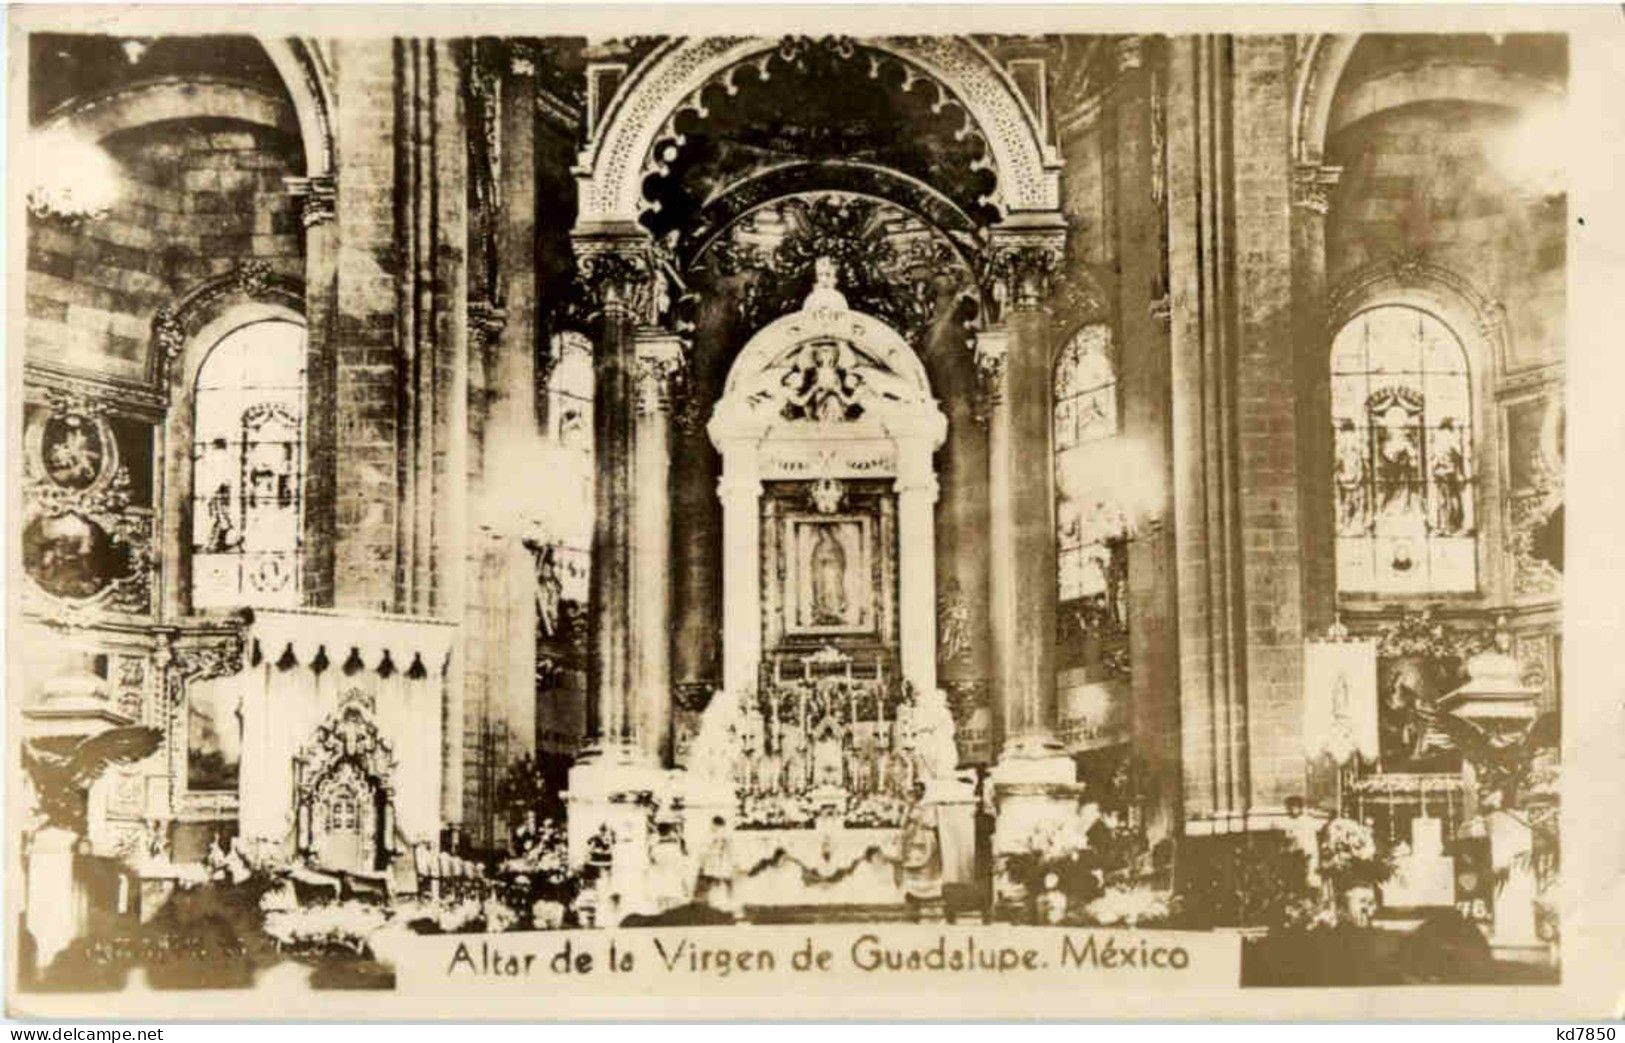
column 1092, row 559
column 1403, row 473
column 248, row 468
column 569, row 427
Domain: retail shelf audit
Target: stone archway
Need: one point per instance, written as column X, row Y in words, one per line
column 621, row 153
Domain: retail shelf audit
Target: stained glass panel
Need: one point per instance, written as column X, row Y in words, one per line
column 248, row 468
column 1402, row 449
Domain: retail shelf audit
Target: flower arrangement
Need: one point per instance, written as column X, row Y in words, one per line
column 875, row 811
column 336, row 925
column 1349, row 857
column 1418, row 633
column 1133, row 905
column 546, row 858
column 1056, row 848
column 547, row 916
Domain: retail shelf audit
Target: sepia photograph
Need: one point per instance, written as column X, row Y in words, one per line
column 958, row 512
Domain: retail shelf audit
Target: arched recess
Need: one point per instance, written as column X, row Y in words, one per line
column 1478, row 324
column 828, row 395
column 171, row 98
column 1468, row 83
column 879, row 183
column 615, row 162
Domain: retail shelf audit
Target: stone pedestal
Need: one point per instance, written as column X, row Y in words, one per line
column 55, row 910
column 1022, row 807
column 1510, row 845
column 955, row 801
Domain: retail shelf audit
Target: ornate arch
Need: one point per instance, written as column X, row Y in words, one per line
column 1478, row 319
column 613, row 165
column 177, row 324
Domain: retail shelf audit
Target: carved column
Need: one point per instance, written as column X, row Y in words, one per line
column 916, row 486
column 1024, row 261
column 317, row 197
column 660, row 362
column 1313, row 184
column 740, row 490
column 617, row 272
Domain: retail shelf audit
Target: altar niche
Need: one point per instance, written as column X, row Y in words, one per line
column 830, row 725
column 826, row 428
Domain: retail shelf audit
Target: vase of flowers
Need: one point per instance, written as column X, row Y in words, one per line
column 1352, row 865
column 1052, row 868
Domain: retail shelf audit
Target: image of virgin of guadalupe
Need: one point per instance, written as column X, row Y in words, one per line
column 827, row 570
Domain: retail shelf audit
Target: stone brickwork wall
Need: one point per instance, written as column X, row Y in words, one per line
column 195, row 200
column 1421, row 181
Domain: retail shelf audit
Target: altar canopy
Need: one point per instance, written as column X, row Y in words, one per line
column 342, row 746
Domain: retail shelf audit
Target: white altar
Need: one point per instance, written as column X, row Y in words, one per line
column 829, row 729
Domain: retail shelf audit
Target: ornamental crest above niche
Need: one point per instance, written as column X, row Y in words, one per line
column 827, row 364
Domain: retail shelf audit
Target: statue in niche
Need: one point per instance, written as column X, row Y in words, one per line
column 828, row 569
column 953, row 623
column 823, row 386
column 549, row 588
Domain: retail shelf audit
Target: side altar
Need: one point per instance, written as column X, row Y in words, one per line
column 824, row 769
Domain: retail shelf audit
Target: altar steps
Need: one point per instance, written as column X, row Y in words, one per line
column 805, row 914
column 855, row 913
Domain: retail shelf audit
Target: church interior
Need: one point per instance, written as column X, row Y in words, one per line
column 741, row 451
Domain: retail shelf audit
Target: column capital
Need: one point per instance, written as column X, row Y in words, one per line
column 1025, row 255
column 661, row 361
column 1312, row 184
column 317, row 196
column 1129, row 52
column 623, row 271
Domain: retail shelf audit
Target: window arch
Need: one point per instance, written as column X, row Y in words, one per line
column 247, row 504
column 1403, row 472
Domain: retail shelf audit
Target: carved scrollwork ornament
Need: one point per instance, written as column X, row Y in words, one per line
column 1022, row 264
column 620, row 278
column 317, row 198
column 991, row 349
column 1312, row 186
